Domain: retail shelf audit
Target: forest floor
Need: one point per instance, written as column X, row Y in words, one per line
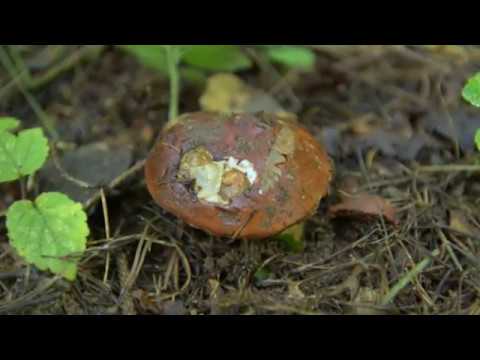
column 395, row 126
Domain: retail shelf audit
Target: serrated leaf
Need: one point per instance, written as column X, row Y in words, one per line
column 49, row 233
column 471, row 91
column 292, row 56
column 23, row 154
column 8, row 123
column 217, row 57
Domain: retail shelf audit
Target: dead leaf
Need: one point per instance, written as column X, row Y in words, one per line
column 459, row 223
column 214, row 286
column 285, row 142
column 364, row 207
column 348, row 186
column 174, row 308
column 227, row 93
column 365, row 301
column 283, row 146
column 294, row 291
column 457, row 125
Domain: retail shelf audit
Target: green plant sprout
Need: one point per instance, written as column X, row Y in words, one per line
column 211, row 58
column 50, row 232
column 471, row 93
column 216, row 58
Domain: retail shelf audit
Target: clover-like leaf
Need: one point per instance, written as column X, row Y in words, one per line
column 49, row 233
column 471, row 91
column 8, row 123
column 23, row 154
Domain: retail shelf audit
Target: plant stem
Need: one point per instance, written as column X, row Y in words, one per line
column 22, row 188
column 173, row 58
column 408, row 278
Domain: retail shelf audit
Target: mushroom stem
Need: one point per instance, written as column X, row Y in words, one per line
column 173, row 59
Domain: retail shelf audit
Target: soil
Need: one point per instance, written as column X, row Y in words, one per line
column 395, row 126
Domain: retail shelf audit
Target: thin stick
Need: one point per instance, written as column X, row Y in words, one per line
column 23, row 191
column 137, row 261
column 448, row 168
column 115, row 182
column 64, row 173
column 88, row 52
column 24, row 299
column 37, row 109
column 107, row 233
column 449, row 249
column 408, row 278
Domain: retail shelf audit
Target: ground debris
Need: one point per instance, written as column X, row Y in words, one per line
column 385, row 113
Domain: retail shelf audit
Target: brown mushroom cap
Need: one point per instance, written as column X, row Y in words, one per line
column 292, row 173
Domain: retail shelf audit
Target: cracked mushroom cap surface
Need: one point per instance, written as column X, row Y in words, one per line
column 242, row 175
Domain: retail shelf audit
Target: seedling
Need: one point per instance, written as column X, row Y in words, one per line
column 51, row 231
column 221, row 58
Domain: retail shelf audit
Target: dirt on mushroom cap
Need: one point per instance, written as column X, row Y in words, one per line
column 293, row 173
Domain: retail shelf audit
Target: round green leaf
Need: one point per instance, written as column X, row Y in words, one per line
column 49, row 233
column 8, row 123
column 471, row 91
column 23, row 154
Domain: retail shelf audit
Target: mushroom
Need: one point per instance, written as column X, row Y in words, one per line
column 242, row 175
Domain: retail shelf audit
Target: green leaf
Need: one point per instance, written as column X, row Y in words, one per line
column 8, row 123
column 477, row 139
column 217, row 57
column 193, row 76
column 471, row 91
column 23, row 154
column 292, row 239
column 262, row 274
column 152, row 56
column 49, row 233
column 292, row 56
